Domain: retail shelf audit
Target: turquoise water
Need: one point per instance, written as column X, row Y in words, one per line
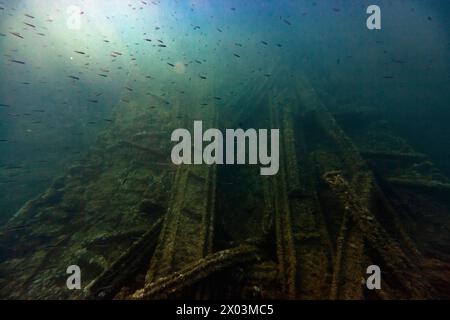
column 63, row 71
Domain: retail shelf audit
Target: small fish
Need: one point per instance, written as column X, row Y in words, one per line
column 18, row 61
column 16, row 34
column 30, row 25
column 29, row 16
column 80, row 52
column 75, row 78
column 93, row 101
column 236, row 55
column 170, row 64
column 162, row 45
column 264, row 43
column 203, row 77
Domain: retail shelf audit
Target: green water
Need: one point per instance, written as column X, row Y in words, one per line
column 60, row 84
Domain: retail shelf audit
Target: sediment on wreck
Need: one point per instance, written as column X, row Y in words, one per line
column 141, row 228
column 91, row 214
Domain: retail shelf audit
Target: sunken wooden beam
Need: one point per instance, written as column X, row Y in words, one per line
column 196, row 271
column 329, row 149
column 278, row 198
column 354, row 185
column 378, row 239
column 117, row 275
column 302, row 242
column 188, row 226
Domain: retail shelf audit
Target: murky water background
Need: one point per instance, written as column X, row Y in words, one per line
column 59, row 86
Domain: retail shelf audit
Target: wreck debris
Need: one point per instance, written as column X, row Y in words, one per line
column 322, row 220
column 377, row 238
column 187, row 231
column 116, row 276
column 177, row 281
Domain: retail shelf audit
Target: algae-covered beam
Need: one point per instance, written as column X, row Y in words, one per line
column 187, row 231
column 197, row 271
column 377, row 238
column 116, row 276
column 354, row 186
